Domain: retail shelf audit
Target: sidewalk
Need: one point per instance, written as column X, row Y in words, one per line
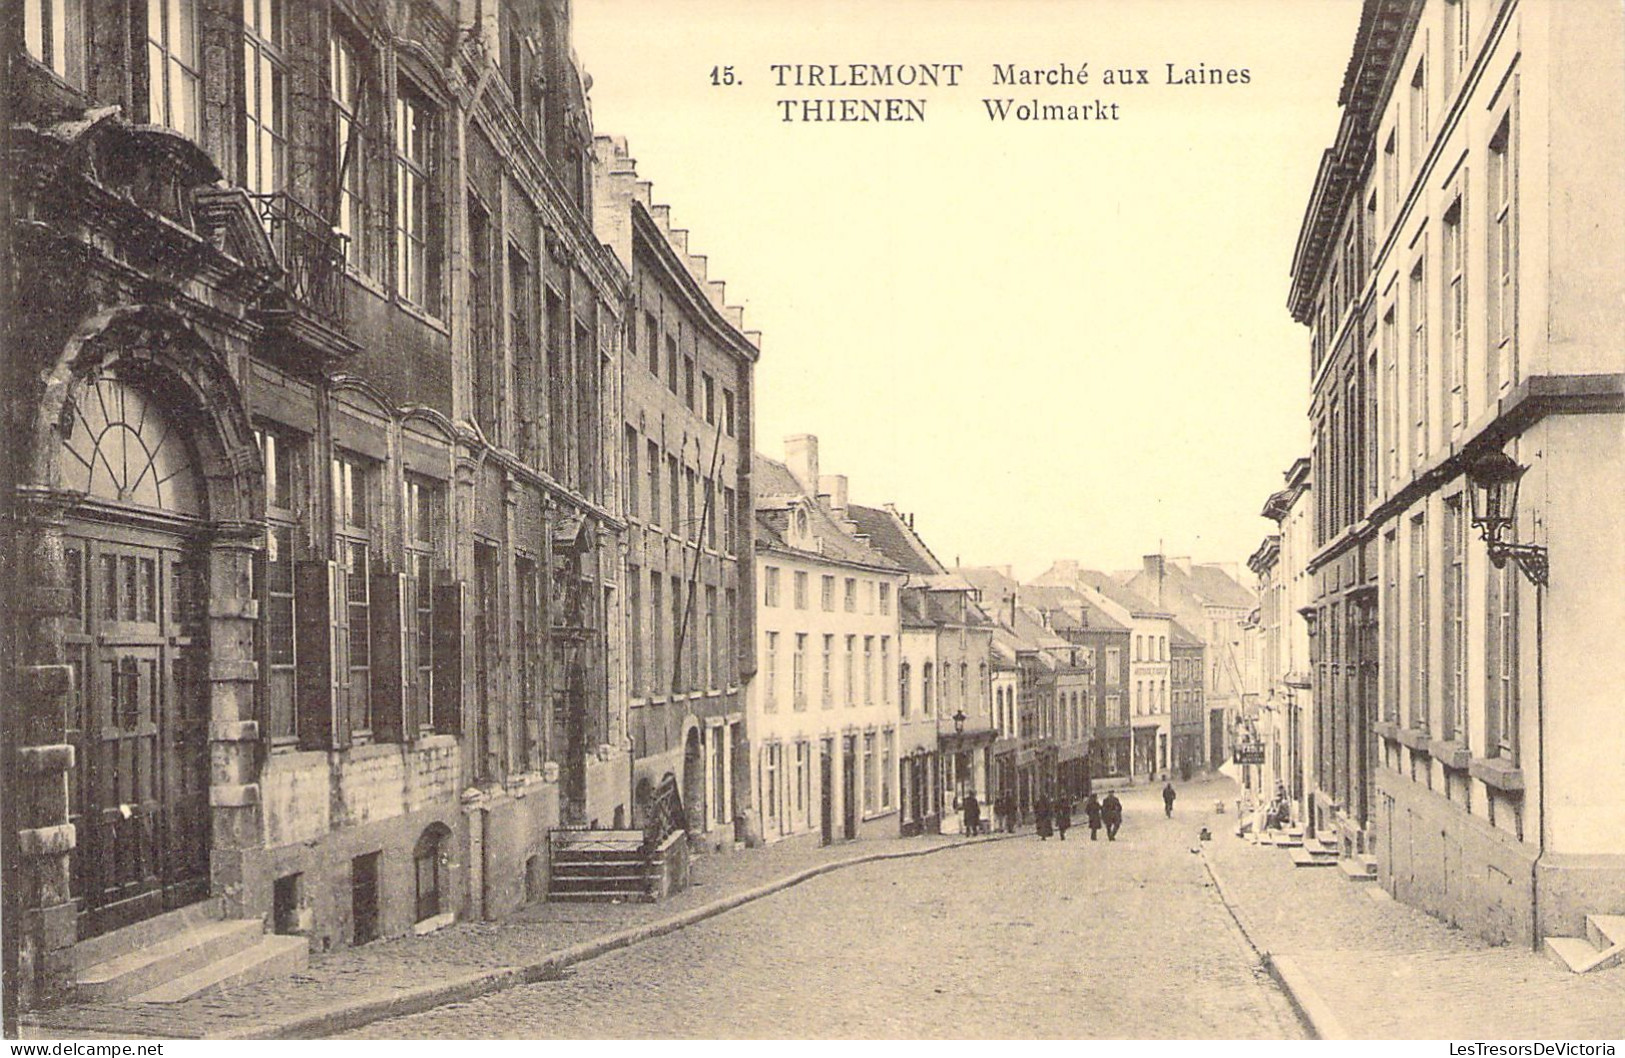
column 349, row 988
column 1360, row 965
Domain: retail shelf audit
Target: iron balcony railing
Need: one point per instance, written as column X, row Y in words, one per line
column 310, row 252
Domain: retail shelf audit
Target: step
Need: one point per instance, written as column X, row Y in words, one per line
column 1605, row 931
column 1578, row 955
column 595, row 896
column 142, row 934
column 1283, row 842
column 1305, row 858
column 143, row 969
column 616, row 885
column 274, row 956
column 1358, row 869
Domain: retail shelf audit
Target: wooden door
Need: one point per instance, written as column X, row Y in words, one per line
column 141, row 797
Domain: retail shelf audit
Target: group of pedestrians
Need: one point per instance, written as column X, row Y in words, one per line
column 1053, row 814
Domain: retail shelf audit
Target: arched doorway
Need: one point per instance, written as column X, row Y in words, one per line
column 137, row 640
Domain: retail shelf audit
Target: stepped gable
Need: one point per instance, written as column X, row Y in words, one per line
column 614, row 157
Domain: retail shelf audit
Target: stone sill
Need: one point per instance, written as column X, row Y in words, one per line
column 1415, row 737
column 1450, row 753
column 1497, row 772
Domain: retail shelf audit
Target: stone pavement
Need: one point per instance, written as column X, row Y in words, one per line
column 350, row 987
column 1019, row 939
column 1361, row 965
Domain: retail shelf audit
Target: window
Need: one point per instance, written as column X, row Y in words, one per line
column 885, row 599
column 636, row 682
column 634, row 502
column 527, row 622
column 53, row 33
column 1419, row 114
column 770, row 780
column 826, row 694
column 728, row 502
column 691, row 526
column 1455, row 43
column 713, row 642
column 800, row 590
column 674, row 478
column 1419, row 624
column 868, row 670
column 885, row 669
column 417, row 253
column 1503, row 285
column 651, row 342
column 1390, row 628
column 927, row 687
column 1114, row 665
column 1501, row 664
column 888, row 753
column 851, row 595
column 902, row 688
column 771, row 673
column 1455, row 621
column 173, row 96
column 1455, row 312
column 728, row 412
column 527, row 382
column 802, row 756
column 851, row 671
column 869, row 771
column 710, row 387
column 710, row 514
column 730, row 604
column 688, row 382
column 425, row 510
column 653, row 468
column 657, row 635
column 826, row 593
column 1390, row 176
column 798, row 674
column 671, row 362
column 1390, row 392
column 1419, row 363
column 351, row 95
column 770, row 586
column 284, row 453
column 482, row 286
column 264, row 97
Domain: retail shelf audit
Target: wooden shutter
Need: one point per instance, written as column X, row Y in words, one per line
column 323, row 721
column 450, row 600
column 391, row 656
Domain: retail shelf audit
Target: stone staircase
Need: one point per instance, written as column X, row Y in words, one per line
column 188, row 952
column 1602, row 947
column 1317, row 852
column 598, row 866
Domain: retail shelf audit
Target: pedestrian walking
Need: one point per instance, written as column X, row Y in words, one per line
column 1168, row 799
column 1091, row 808
column 1005, row 806
column 1063, row 815
column 1041, row 809
column 1111, row 810
column 973, row 815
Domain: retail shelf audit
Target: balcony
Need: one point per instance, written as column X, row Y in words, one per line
column 310, row 252
column 308, row 307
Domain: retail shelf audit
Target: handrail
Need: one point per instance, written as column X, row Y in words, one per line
column 311, row 253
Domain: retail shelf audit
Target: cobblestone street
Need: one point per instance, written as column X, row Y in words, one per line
column 1020, row 938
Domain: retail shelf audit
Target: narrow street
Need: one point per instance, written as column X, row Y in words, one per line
column 1019, row 938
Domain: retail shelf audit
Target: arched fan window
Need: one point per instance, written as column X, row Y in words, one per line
column 120, row 446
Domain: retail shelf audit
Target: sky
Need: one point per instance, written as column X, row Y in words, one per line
column 1046, row 339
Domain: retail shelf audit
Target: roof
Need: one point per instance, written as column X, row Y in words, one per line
column 894, row 538
column 777, row 493
column 1217, row 588
column 1063, row 600
column 1180, row 636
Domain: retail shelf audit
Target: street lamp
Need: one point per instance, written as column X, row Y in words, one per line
column 959, row 722
column 1493, row 479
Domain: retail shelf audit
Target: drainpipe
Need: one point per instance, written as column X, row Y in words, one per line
column 1540, row 764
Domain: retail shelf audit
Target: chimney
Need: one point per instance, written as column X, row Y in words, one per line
column 801, row 456
column 1066, row 568
column 1183, row 562
column 833, row 486
column 1153, row 565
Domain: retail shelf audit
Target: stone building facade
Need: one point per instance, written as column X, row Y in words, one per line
column 1460, row 270
column 686, row 423
column 314, row 481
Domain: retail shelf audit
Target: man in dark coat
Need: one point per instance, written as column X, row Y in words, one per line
column 1111, row 810
column 1091, row 808
column 1041, row 809
column 1063, row 815
column 973, row 815
column 1168, row 799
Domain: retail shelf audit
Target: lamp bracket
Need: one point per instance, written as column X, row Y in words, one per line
column 1531, row 558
